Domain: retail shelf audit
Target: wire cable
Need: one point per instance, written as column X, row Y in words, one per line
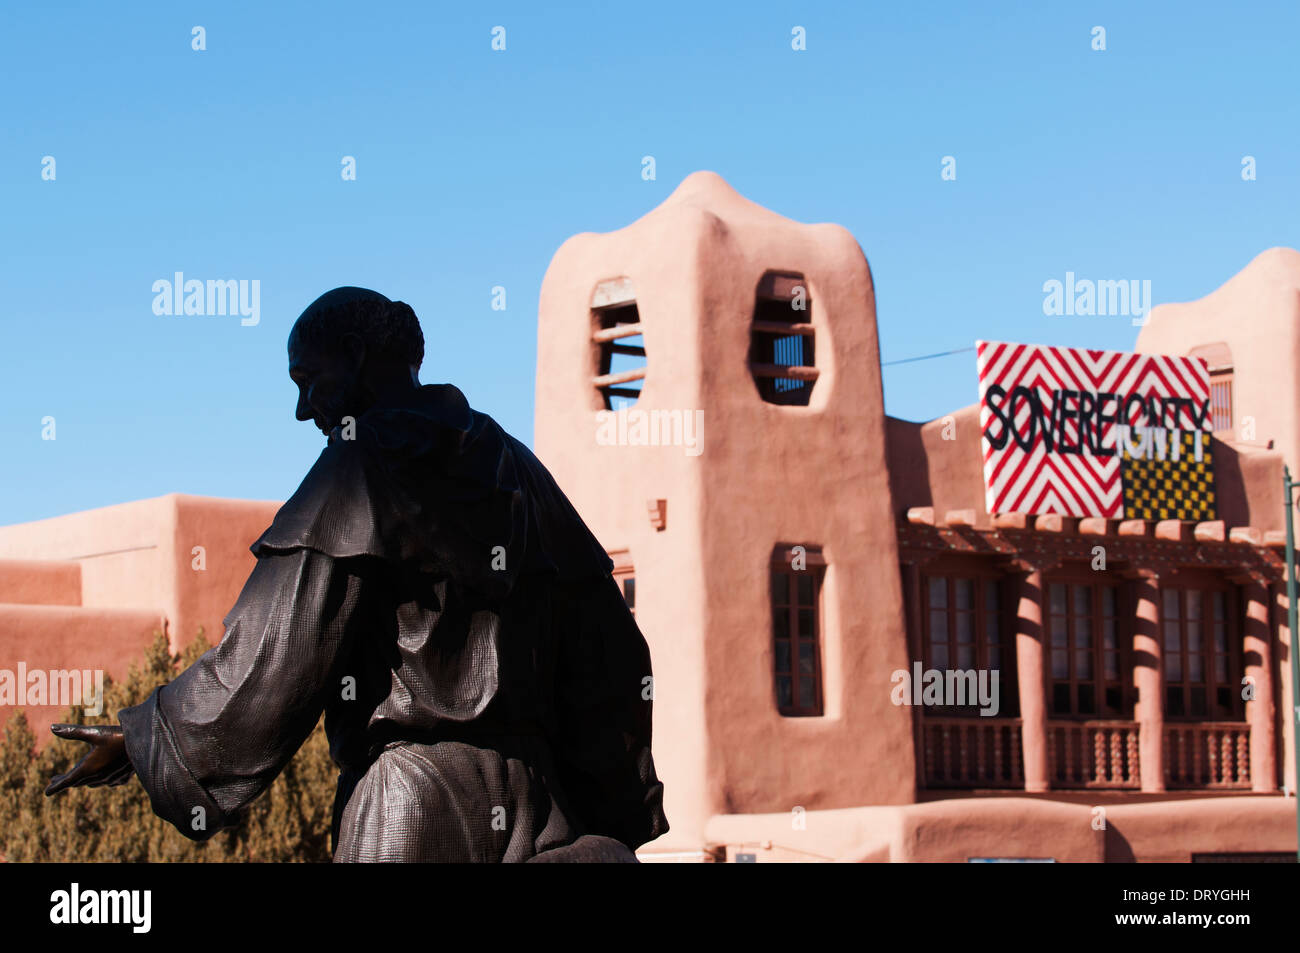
column 926, row 357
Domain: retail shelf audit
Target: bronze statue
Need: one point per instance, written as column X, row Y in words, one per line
column 487, row 693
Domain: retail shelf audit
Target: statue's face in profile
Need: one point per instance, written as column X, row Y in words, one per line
column 327, row 380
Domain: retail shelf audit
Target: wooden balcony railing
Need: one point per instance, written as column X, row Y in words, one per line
column 1093, row 754
column 972, row 752
column 986, row 753
column 1207, row 755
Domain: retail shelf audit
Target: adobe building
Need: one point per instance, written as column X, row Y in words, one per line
column 795, row 548
column 92, row 590
column 709, row 396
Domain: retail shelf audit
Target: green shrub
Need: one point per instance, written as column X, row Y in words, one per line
column 289, row 822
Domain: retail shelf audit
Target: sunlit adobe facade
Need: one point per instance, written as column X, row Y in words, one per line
column 776, row 733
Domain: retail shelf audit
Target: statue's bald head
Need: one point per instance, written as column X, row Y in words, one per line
column 349, row 346
column 390, row 329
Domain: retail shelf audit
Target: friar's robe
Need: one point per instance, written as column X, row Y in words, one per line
column 487, row 693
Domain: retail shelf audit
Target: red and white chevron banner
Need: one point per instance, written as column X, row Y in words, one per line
column 1056, row 422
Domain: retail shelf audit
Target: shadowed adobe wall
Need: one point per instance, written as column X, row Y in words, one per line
column 938, row 463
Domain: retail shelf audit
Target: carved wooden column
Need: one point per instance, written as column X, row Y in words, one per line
column 1148, row 679
column 1257, row 642
column 1029, row 669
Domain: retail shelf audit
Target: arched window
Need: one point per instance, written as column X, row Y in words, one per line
column 620, row 347
column 796, row 587
column 782, row 353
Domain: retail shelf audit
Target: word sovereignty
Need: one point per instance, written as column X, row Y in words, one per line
column 1090, row 416
column 1080, row 432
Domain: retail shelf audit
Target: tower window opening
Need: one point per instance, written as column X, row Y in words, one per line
column 620, row 347
column 782, row 353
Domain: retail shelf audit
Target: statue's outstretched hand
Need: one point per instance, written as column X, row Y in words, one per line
column 105, row 763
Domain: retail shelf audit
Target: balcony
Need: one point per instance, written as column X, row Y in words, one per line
column 968, row 753
column 1208, row 755
column 972, row 752
column 1093, row 754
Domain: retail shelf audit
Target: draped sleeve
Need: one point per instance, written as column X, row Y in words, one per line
column 209, row 742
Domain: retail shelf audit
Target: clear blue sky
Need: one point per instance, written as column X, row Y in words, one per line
column 473, row 166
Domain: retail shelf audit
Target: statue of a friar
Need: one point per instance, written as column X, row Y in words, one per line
column 486, row 691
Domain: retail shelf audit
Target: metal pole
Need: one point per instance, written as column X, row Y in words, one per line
column 1291, row 612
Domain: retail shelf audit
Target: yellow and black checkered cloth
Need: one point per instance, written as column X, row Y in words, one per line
column 1169, row 490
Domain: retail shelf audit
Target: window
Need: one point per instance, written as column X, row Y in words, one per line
column 781, row 350
column 963, row 629
column 1218, row 360
column 1221, row 398
column 625, row 576
column 1089, row 652
column 620, row 348
column 796, row 630
column 1202, row 667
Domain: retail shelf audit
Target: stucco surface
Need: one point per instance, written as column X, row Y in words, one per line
column 767, row 475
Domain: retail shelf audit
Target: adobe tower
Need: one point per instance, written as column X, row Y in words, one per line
column 694, row 367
